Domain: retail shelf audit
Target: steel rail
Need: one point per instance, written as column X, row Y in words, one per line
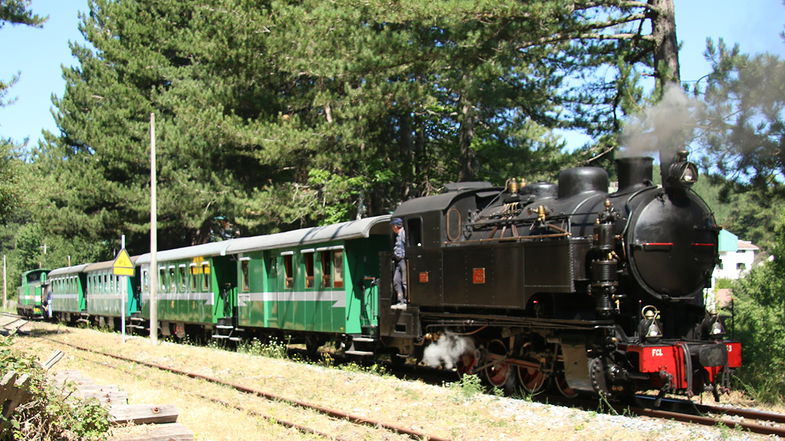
column 710, row 421
column 742, row 412
column 270, row 396
column 274, row 419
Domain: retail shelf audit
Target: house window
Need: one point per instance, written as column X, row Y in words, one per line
column 741, row 266
column 308, row 269
column 722, row 265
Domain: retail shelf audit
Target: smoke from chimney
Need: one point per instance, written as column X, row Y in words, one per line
column 665, row 127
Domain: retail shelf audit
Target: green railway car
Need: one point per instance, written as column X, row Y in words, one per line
column 67, row 299
column 105, row 292
column 317, row 280
column 31, row 293
column 313, row 280
column 196, row 286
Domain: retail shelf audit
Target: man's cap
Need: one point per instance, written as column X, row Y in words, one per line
column 396, row 222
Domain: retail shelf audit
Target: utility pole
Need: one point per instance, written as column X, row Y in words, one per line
column 153, row 270
column 5, row 286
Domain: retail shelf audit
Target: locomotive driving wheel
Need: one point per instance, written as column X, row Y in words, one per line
column 498, row 372
column 531, row 376
column 561, row 385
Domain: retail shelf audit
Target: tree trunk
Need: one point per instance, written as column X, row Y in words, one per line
column 468, row 156
column 666, row 46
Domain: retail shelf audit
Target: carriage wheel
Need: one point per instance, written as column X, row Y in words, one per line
column 497, row 374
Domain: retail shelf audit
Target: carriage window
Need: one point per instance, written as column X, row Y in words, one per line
column 246, row 277
column 414, row 232
column 111, row 283
column 193, row 277
column 172, row 280
column 287, row 263
column 308, row 269
column 206, row 282
column 338, row 268
column 162, row 279
column 326, row 270
column 145, row 281
column 183, row 277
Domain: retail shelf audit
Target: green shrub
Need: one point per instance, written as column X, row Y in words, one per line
column 759, row 322
column 50, row 415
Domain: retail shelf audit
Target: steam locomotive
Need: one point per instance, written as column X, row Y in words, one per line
column 527, row 285
column 567, row 284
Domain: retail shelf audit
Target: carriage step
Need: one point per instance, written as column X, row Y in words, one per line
column 363, row 353
column 236, row 338
column 363, row 339
column 224, row 327
column 137, row 319
column 135, row 326
column 219, row 336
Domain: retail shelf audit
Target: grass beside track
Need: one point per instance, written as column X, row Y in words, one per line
column 457, row 412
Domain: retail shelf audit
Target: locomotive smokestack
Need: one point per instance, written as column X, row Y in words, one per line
column 634, row 172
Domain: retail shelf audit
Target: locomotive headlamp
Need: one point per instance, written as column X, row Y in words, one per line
column 649, row 327
column 682, row 173
column 689, row 173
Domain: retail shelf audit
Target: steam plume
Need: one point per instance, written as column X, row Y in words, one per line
column 667, row 126
column 447, row 350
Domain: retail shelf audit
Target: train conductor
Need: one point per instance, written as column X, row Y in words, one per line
column 399, row 255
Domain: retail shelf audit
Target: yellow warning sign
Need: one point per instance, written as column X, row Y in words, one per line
column 122, row 265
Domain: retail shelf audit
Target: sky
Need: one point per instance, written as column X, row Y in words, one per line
column 38, row 54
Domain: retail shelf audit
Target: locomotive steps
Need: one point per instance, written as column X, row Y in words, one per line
column 455, row 412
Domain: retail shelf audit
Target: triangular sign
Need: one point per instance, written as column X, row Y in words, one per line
column 122, row 265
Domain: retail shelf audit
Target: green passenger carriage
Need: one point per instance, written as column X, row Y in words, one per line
column 105, row 293
column 67, row 285
column 31, row 293
column 318, row 280
column 196, row 286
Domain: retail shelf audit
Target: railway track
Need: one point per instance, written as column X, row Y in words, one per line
column 752, row 420
column 756, row 421
column 13, row 326
column 333, row 413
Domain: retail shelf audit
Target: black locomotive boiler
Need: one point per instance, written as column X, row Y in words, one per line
column 566, row 284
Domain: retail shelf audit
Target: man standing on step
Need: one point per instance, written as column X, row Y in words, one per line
column 399, row 255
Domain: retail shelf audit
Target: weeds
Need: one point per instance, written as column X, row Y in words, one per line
column 467, row 387
column 49, row 414
column 273, row 348
column 375, row 369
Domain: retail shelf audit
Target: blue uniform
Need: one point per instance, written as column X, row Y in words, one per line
column 399, row 276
